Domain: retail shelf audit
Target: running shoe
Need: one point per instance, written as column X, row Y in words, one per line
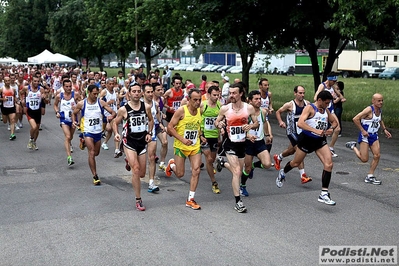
column 118, row 153
column 153, row 188
column 96, row 180
column 280, row 178
column 9, row 127
column 40, row 127
column 325, row 198
column 16, row 126
column 350, row 144
column 333, row 154
column 156, row 159
column 192, row 204
column 82, row 144
column 162, row 166
column 202, row 165
column 372, row 180
column 71, row 148
column 104, row 146
column 12, row 137
column 20, row 125
column 243, row 191
column 70, row 160
column 239, row 207
column 219, row 164
column 215, row 188
column 127, row 166
column 168, row 169
column 34, row 146
column 30, row 144
column 139, row 205
column 277, row 162
column 305, row 178
column 251, row 173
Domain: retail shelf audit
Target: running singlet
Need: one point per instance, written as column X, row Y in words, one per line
column 318, row 121
column 33, row 99
column 189, row 128
column 92, row 117
column 372, row 125
column 235, row 121
column 175, row 100
column 330, row 107
column 66, row 107
column 136, row 123
column 265, row 102
column 9, row 95
column 293, row 117
column 259, row 131
column 208, row 120
column 108, row 97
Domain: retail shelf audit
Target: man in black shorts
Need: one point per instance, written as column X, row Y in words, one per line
column 314, row 123
column 236, row 126
column 137, row 132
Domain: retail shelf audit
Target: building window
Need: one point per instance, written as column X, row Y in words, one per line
column 385, row 58
column 395, row 58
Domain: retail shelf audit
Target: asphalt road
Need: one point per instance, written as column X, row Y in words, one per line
column 51, row 214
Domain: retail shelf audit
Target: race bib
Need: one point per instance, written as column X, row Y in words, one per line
column 9, row 102
column 176, row 105
column 191, row 135
column 298, row 129
column 237, row 134
column 138, row 123
column 209, row 123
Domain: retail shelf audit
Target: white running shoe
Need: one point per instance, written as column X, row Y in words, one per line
column 104, row 146
column 325, row 198
column 280, row 178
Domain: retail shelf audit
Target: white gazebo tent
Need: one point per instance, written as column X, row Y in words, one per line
column 60, row 58
column 6, row 60
column 41, row 58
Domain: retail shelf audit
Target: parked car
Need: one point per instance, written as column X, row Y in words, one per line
column 215, row 68
column 235, row 70
column 172, row 66
column 161, row 66
column 182, row 67
column 256, row 70
column 225, row 68
column 199, row 66
column 390, row 73
column 207, row 68
column 287, row 70
column 113, row 64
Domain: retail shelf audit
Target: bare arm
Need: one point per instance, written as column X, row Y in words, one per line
column 319, row 89
column 287, row 107
column 177, row 116
column 119, row 117
column 366, row 113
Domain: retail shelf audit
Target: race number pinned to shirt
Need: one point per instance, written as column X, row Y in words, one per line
column 9, row 102
column 237, row 134
column 176, row 105
column 138, row 123
column 191, row 135
column 209, row 123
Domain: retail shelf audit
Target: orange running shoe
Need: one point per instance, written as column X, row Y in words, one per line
column 192, row 204
column 276, row 162
column 168, row 169
column 305, row 179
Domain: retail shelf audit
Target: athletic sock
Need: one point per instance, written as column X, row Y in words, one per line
column 191, row 195
column 301, row 172
column 287, row 167
column 258, row 164
column 325, row 179
column 238, row 198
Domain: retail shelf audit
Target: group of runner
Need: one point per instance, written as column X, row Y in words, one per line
column 235, row 127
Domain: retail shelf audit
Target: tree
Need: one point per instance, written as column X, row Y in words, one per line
column 25, row 27
column 67, row 30
column 242, row 23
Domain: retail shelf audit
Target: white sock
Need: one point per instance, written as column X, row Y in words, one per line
column 370, row 175
column 301, row 171
column 280, row 157
column 191, row 195
column 151, row 182
column 173, row 166
column 331, row 148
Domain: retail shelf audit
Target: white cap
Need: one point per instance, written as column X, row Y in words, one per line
column 226, row 78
